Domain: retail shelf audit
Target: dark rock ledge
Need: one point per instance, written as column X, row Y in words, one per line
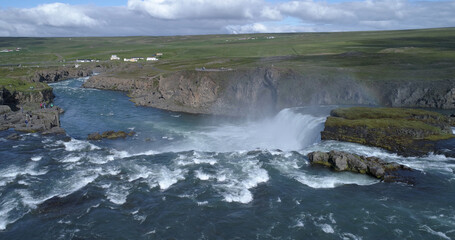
column 44, row 121
column 109, row 135
column 372, row 166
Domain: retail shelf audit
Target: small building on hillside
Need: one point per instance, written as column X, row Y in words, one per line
column 130, row 60
column 114, row 57
column 159, row 54
column 152, row 59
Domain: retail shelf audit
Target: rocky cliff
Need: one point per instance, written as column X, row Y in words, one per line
column 258, row 91
column 59, row 74
column 432, row 94
column 15, row 98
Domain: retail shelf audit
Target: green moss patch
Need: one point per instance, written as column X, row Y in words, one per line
column 382, row 113
column 17, row 85
column 405, row 131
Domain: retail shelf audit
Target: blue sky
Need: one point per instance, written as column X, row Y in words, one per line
column 181, row 17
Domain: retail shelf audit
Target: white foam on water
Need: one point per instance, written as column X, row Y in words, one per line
column 335, row 180
column 167, row 178
column 203, row 176
column 62, row 188
column 79, row 145
column 9, row 174
column 36, row 158
column 71, row 159
column 204, row 161
column 32, row 201
column 196, row 159
column 5, row 209
column 116, row 154
column 237, row 182
column 221, row 177
column 23, row 182
column 156, row 175
column 112, row 171
column 117, row 194
column 326, row 228
column 299, row 224
column 138, row 172
column 237, row 194
column 432, row 161
column 436, row 233
column 349, row 236
column 203, row 203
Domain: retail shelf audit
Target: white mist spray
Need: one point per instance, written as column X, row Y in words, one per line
column 286, row 131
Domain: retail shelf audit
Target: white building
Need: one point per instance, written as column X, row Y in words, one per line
column 152, row 59
column 114, row 57
column 130, row 60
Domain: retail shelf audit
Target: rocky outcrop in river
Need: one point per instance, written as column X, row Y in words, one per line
column 372, row 166
column 408, row 132
column 109, row 135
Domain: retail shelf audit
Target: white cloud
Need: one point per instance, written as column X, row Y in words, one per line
column 58, row 15
column 315, row 11
column 372, row 14
column 45, row 20
column 267, row 28
column 181, row 17
column 197, row 9
column 271, row 13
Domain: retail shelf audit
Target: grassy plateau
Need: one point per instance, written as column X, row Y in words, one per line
column 408, row 55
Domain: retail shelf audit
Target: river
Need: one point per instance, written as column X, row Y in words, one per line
column 185, row 176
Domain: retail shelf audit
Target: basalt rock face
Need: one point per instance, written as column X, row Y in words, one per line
column 408, row 132
column 55, row 75
column 225, row 93
column 38, row 96
column 254, row 92
column 266, row 90
column 434, row 94
column 13, row 99
column 372, row 166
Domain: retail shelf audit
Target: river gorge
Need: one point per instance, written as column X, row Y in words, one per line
column 204, row 177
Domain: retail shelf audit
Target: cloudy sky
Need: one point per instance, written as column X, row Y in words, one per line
column 181, row 17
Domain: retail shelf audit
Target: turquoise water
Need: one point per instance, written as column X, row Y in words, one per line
column 187, row 176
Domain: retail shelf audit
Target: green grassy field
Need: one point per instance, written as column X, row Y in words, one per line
column 410, row 55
